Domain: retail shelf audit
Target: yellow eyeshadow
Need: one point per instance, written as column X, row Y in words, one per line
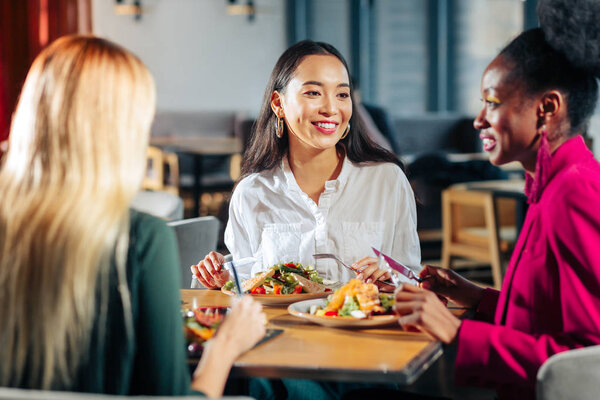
column 493, row 99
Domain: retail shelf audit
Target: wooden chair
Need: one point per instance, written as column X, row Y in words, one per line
column 163, row 171
column 478, row 227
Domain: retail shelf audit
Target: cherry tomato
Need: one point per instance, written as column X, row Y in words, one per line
column 291, row 265
column 297, row 289
column 331, row 313
column 277, row 289
column 258, row 290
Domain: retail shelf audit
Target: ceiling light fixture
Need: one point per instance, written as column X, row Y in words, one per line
column 134, row 9
column 242, row 9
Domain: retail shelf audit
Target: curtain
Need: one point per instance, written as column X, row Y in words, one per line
column 26, row 27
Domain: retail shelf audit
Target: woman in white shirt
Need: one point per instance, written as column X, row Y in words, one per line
column 313, row 182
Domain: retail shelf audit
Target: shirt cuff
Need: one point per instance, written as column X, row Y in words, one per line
column 473, row 352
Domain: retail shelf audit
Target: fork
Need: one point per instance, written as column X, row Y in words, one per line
column 336, row 258
column 357, row 270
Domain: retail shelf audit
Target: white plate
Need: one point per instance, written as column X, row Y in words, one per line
column 281, row 299
column 302, row 309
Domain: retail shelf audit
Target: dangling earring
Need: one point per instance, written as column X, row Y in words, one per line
column 534, row 186
column 279, row 127
column 346, row 131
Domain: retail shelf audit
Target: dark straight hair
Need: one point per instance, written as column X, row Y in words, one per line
column 266, row 150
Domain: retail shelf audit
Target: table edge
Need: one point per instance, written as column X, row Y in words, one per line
column 406, row 376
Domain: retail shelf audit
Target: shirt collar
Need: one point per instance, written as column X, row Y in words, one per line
column 288, row 175
column 572, row 151
column 335, row 184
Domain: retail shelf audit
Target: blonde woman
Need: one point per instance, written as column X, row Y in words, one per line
column 88, row 288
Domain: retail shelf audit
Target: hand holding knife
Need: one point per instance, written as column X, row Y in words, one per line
column 399, row 267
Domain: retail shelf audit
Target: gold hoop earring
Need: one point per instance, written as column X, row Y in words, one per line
column 279, row 127
column 346, row 131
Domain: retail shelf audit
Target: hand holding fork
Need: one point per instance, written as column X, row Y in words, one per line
column 362, row 268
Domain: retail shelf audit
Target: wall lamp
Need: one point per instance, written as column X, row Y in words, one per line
column 233, row 8
column 135, row 8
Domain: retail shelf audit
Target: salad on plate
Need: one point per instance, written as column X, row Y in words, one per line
column 283, row 279
column 356, row 299
column 200, row 325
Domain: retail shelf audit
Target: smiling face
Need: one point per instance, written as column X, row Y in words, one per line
column 508, row 119
column 316, row 104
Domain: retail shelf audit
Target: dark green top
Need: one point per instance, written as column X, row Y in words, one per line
column 153, row 361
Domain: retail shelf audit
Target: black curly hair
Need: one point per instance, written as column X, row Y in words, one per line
column 266, row 150
column 563, row 54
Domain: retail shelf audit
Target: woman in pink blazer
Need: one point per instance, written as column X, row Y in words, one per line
column 538, row 95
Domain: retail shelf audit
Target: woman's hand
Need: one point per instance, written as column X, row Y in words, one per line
column 368, row 270
column 422, row 309
column 210, row 271
column 243, row 327
column 448, row 283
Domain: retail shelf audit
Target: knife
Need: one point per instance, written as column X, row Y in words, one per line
column 396, row 266
column 230, row 266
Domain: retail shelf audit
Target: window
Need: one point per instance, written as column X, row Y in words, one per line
column 482, row 29
column 401, row 55
column 415, row 56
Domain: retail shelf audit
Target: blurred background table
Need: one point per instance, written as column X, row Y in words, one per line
column 199, row 147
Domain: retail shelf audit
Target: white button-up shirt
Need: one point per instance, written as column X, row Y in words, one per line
column 368, row 205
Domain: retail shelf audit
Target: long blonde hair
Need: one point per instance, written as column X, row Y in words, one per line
column 76, row 158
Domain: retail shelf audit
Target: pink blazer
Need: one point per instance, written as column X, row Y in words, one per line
column 550, row 297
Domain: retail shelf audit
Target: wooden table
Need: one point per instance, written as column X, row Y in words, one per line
column 309, row 351
column 198, row 147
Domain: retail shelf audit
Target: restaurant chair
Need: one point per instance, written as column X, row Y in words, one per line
column 477, row 227
column 26, row 394
column 243, row 129
column 196, row 237
column 163, row 171
column 571, row 374
column 429, row 175
column 160, row 194
column 163, row 205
